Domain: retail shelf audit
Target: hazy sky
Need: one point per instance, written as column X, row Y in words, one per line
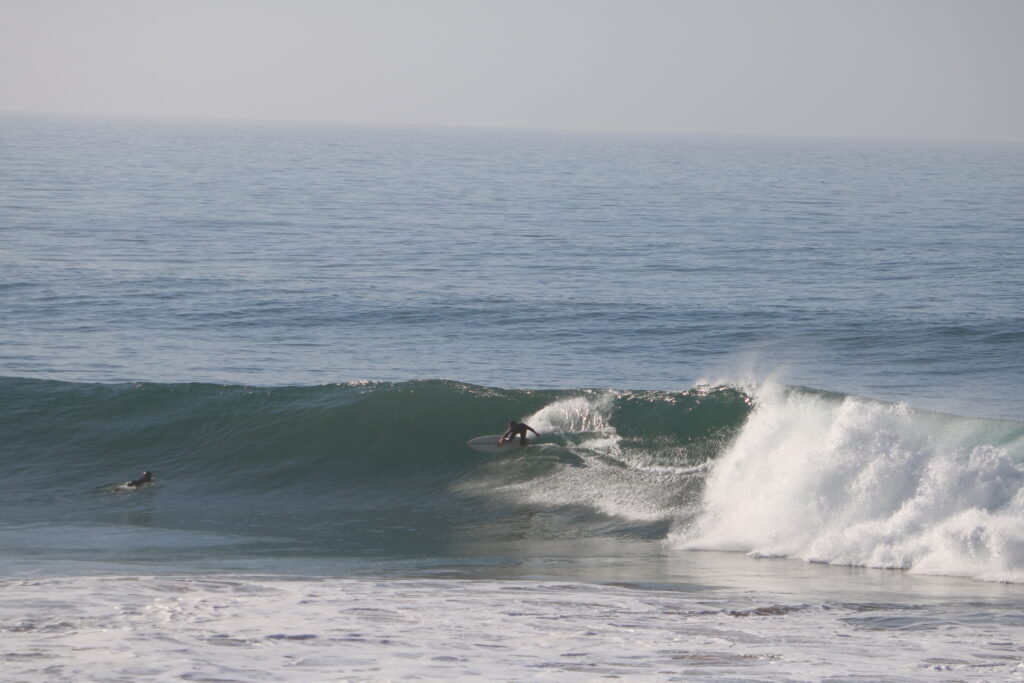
column 853, row 68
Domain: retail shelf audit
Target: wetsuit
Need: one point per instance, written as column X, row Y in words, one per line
column 146, row 478
column 519, row 428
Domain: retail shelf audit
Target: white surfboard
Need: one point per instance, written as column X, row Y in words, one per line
column 489, row 444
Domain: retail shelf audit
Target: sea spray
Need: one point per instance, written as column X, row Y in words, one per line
column 851, row 481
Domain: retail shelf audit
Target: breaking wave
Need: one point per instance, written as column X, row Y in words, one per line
column 366, row 467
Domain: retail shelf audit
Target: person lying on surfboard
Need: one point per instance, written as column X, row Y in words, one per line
column 146, row 478
column 514, row 428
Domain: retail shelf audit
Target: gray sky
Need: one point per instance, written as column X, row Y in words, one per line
column 936, row 69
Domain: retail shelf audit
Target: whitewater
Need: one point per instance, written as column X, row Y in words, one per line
column 777, row 386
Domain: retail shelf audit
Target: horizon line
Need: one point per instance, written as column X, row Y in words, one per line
column 214, row 119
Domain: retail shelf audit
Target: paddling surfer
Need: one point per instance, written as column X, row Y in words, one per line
column 146, row 478
column 515, row 428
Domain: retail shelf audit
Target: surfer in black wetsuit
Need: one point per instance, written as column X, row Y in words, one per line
column 146, row 478
column 514, row 428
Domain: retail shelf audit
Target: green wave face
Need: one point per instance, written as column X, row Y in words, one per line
column 356, row 468
column 312, row 439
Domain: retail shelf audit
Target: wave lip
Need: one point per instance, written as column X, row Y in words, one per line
column 850, row 481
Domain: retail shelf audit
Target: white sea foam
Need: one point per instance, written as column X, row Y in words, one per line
column 250, row 629
column 851, row 481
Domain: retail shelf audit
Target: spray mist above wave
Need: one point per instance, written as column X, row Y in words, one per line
column 858, row 482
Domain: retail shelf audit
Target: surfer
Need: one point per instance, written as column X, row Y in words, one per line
column 146, row 478
column 514, row 428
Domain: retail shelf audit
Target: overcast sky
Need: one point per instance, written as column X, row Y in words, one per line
column 934, row 69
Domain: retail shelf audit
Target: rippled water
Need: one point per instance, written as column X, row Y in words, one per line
column 271, row 254
column 806, row 353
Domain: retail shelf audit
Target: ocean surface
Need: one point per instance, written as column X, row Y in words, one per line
column 778, row 386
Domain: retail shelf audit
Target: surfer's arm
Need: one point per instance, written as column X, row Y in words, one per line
column 532, row 430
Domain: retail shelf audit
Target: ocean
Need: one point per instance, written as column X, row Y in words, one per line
column 777, row 384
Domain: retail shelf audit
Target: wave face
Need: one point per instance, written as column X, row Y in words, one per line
column 350, row 470
column 311, row 440
column 372, row 469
